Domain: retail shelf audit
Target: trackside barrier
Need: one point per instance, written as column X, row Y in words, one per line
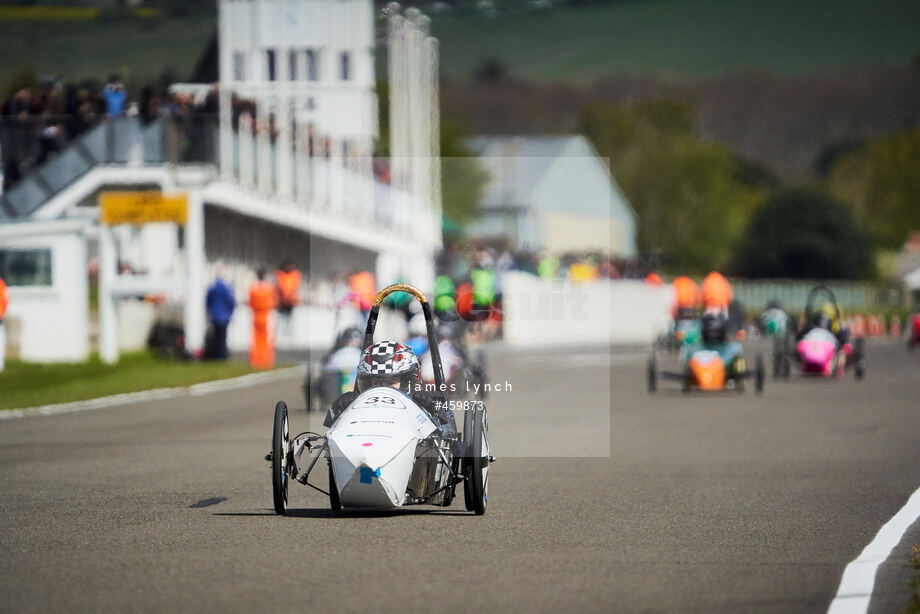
column 894, row 327
column 602, row 312
column 858, row 326
column 874, row 326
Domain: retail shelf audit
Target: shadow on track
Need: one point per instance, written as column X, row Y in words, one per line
column 327, row 513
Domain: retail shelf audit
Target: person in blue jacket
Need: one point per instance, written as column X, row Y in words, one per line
column 220, row 304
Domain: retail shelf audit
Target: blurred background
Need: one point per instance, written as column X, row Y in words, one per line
column 496, row 154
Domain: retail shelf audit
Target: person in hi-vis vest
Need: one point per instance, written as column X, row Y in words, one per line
column 4, row 301
column 262, row 300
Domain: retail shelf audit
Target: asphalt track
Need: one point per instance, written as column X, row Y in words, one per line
column 730, row 503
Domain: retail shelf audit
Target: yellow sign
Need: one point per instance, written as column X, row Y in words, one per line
column 142, row 207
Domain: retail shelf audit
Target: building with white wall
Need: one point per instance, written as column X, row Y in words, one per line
column 553, row 193
column 284, row 171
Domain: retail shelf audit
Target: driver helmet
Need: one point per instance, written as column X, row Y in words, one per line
column 821, row 320
column 350, row 336
column 390, row 364
column 829, row 312
column 715, row 328
column 774, row 304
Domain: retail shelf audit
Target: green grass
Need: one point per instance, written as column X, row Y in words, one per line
column 140, row 50
column 914, row 561
column 687, row 38
column 25, row 384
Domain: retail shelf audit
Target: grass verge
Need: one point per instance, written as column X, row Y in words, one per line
column 25, row 384
column 914, row 561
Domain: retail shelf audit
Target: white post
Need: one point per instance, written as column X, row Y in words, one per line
column 336, row 183
column 283, row 146
column 245, row 144
column 225, row 74
column 302, row 148
column 108, row 317
column 226, row 134
column 264, row 144
column 435, row 124
column 194, row 270
column 397, row 46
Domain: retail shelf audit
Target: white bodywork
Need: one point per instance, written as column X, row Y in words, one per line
column 372, row 448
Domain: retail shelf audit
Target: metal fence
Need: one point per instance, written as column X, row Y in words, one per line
column 115, row 140
column 792, row 293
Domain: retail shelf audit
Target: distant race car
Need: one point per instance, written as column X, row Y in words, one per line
column 713, row 363
column 777, row 325
column 384, row 451
column 823, row 347
column 913, row 336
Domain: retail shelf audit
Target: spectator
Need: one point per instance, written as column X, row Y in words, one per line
column 262, row 297
column 220, row 304
column 288, row 279
column 114, row 96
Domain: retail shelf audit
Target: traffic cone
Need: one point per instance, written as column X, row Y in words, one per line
column 894, row 327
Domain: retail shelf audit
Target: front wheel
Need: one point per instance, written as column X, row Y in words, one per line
column 476, row 462
column 758, row 374
column 280, row 446
column 860, row 356
column 652, row 374
column 334, row 502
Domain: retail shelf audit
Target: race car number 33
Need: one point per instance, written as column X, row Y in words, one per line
column 381, row 399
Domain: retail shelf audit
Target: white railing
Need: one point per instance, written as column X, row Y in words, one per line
column 326, row 184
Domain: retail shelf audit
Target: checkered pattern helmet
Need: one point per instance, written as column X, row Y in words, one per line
column 386, row 363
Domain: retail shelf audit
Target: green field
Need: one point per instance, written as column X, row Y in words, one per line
column 24, row 384
column 140, row 50
column 688, row 38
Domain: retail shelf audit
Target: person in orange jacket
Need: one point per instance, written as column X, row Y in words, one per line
column 717, row 293
column 364, row 286
column 262, row 300
column 686, row 295
column 288, row 279
column 4, row 302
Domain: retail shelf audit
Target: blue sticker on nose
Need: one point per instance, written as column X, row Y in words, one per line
column 368, row 475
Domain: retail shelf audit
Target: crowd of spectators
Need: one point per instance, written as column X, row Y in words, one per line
column 37, row 121
column 458, row 260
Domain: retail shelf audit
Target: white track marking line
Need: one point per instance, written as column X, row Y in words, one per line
column 155, row 394
column 858, row 579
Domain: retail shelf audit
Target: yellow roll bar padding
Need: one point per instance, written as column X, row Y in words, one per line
column 399, row 288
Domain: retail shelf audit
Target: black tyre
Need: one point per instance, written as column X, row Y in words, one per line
column 758, row 374
column 652, row 374
column 280, row 447
column 464, row 465
column 859, row 354
column 334, row 502
column 307, row 396
column 476, row 463
column 481, row 371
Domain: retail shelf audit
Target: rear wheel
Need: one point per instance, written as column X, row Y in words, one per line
column 481, row 372
column 476, row 462
column 758, row 374
column 280, row 446
column 859, row 354
column 652, row 374
column 334, row 502
column 777, row 358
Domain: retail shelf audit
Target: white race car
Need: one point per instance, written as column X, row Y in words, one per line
column 384, row 451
